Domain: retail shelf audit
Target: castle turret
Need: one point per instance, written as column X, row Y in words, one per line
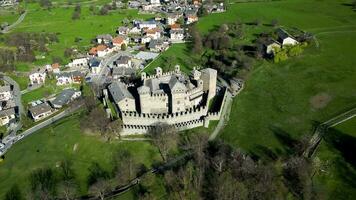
column 196, row 74
column 177, row 69
column 209, row 77
column 143, row 76
column 158, row 71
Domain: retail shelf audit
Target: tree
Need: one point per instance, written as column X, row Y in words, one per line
column 77, row 12
column 274, row 22
column 14, row 193
column 43, row 183
column 123, row 47
column 125, row 167
column 113, row 129
column 100, row 188
column 165, row 137
column 196, row 40
column 104, row 10
column 67, row 189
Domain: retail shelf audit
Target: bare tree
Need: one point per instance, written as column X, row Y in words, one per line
column 67, row 190
column 125, row 167
column 100, row 188
column 165, row 137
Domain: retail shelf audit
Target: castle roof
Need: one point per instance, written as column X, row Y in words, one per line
column 119, row 91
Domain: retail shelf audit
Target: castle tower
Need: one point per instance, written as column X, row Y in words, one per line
column 196, row 74
column 177, row 69
column 143, row 76
column 209, row 77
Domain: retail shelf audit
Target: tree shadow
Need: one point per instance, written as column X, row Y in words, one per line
column 289, row 144
column 343, row 145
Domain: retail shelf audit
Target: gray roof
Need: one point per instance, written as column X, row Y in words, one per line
column 119, row 91
column 64, row 97
column 176, row 84
column 104, row 36
column 7, row 112
column 5, row 88
column 123, row 60
column 39, row 109
column 142, row 55
column 122, row 71
column 176, row 31
column 154, row 43
column 282, row 34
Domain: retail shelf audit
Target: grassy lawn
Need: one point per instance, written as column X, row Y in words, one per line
column 64, row 140
column 335, row 155
column 176, row 54
column 22, row 81
column 9, row 16
column 58, row 20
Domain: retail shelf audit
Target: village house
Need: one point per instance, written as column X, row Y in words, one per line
column 285, row 38
column 94, row 65
column 122, row 97
column 191, row 16
column 123, row 61
column 55, row 68
column 271, row 45
column 79, row 63
column 6, row 3
column 172, row 18
column 120, row 72
column 147, row 25
column 38, row 76
column 73, row 77
column 100, row 50
column 104, row 39
column 6, row 104
column 5, row 93
column 119, row 41
column 65, row 97
column 123, row 30
column 155, row 2
column 40, row 111
column 176, row 34
column 158, row 45
column 154, row 33
column 6, row 116
column 135, row 31
column 145, row 39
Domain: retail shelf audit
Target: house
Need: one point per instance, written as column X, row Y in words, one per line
column 40, row 111
column 65, row 97
column 143, row 55
column 5, row 93
column 55, row 68
column 135, row 31
column 123, row 30
column 119, row 72
column 121, row 96
column 145, row 39
column 158, row 45
column 155, row 2
column 123, row 61
column 100, row 50
column 191, row 18
column 6, row 116
column 4, row 105
column 38, row 76
column 285, row 38
column 104, row 39
column 172, row 18
column 119, row 41
column 147, row 24
column 134, row 4
column 176, row 34
column 94, row 65
column 154, row 33
column 175, row 26
column 73, row 77
column 5, row 3
column 79, row 63
column 270, row 46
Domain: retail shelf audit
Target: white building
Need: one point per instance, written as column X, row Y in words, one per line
column 38, row 76
column 79, row 63
column 285, row 38
column 122, row 97
column 147, row 25
column 5, row 93
column 154, row 33
column 40, row 111
column 176, row 34
column 6, row 116
column 123, row 61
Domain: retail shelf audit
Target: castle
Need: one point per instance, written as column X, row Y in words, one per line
column 172, row 97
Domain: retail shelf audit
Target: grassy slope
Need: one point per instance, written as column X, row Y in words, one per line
column 338, row 174
column 58, row 20
column 51, row 145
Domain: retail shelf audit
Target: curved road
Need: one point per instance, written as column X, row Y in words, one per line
column 19, row 20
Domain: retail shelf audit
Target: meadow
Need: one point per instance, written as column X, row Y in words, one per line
column 64, row 140
column 59, row 20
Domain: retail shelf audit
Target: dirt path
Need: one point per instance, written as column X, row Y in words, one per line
column 19, row 20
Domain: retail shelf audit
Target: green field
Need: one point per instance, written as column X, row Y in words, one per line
column 59, row 20
column 64, row 140
column 336, row 160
